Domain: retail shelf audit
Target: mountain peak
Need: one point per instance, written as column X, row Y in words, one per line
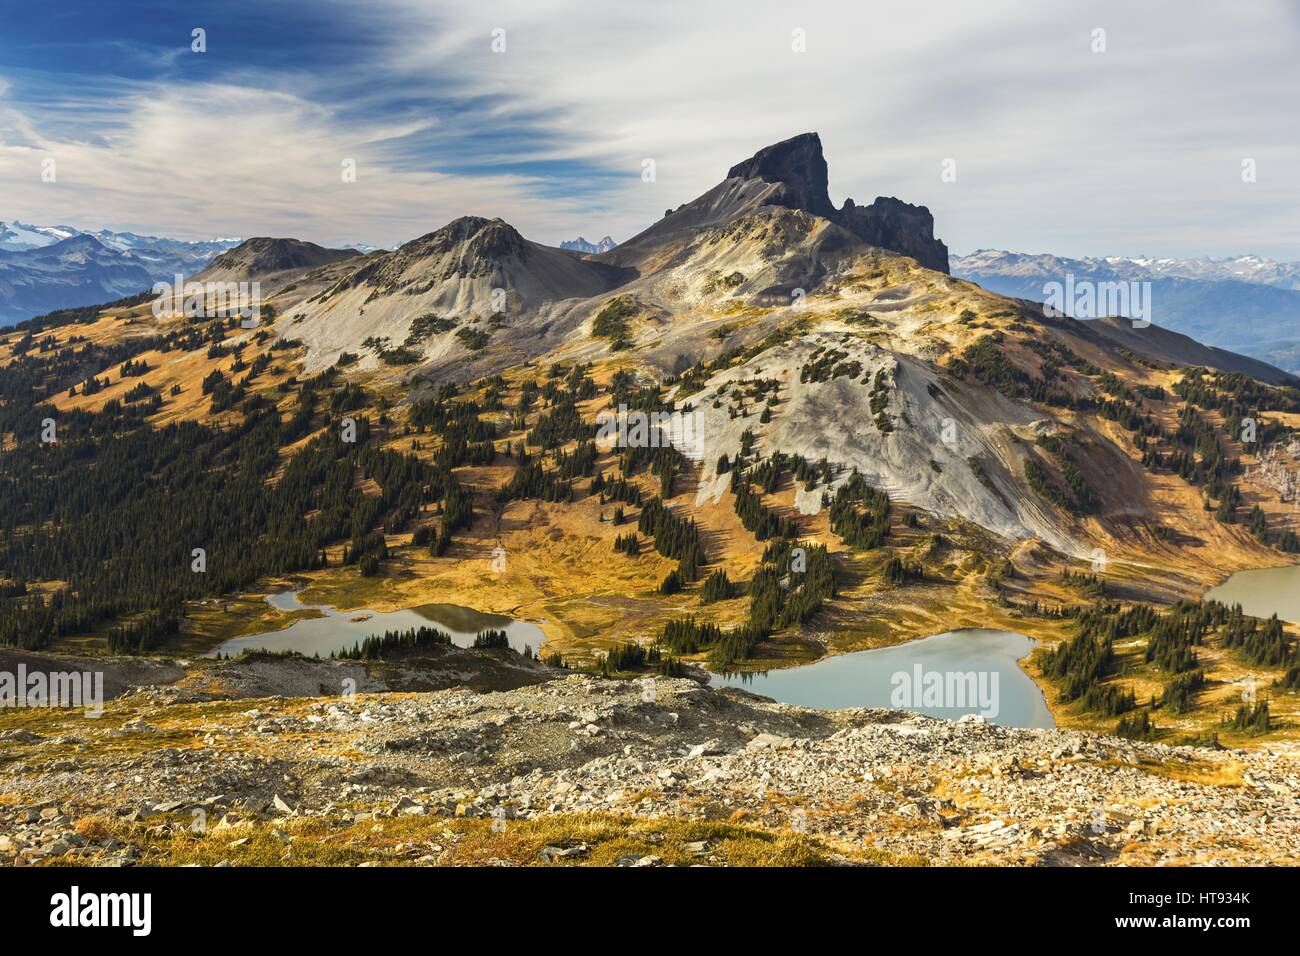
column 797, row 164
column 263, row 255
column 591, row 248
column 481, row 238
column 792, row 174
column 79, row 241
column 896, row 225
column 797, row 168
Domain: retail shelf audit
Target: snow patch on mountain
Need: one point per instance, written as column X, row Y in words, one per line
column 19, row 237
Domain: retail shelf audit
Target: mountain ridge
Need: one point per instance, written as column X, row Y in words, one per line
column 740, row 266
column 1245, row 268
column 1243, row 304
column 76, row 271
column 264, row 255
column 41, row 271
column 793, row 174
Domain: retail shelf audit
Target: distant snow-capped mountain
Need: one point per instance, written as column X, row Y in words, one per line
column 1241, row 268
column 1254, row 269
column 582, row 245
column 1245, row 303
column 182, row 255
column 19, row 237
column 43, row 268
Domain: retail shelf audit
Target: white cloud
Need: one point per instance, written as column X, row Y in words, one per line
column 201, row 160
column 1057, row 148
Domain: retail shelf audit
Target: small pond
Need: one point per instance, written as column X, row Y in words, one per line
column 340, row 630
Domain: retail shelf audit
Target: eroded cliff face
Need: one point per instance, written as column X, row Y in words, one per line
column 897, row 226
column 798, row 168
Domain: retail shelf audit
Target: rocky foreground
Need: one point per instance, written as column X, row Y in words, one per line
column 579, row 769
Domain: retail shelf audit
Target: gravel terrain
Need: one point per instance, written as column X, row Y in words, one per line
column 857, row 780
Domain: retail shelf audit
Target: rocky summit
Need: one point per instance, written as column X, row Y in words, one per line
column 798, row 169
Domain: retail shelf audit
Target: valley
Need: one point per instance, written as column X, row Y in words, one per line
column 1247, row 304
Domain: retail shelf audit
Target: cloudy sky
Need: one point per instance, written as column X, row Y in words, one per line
column 1057, row 148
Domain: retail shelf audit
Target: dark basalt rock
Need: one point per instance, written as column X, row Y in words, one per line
column 797, row 164
column 898, row 226
column 798, row 169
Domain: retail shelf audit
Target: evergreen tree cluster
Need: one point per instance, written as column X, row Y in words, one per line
column 1136, row 726
column 495, row 639
column 663, row 460
column 627, row 656
column 1091, row 585
column 615, row 489
column 828, row 363
column 394, row 644
column 717, row 587
column 1249, row 719
column 1175, row 634
column 784, row 592
column 686, row 635
column 532, row 481
column 1080, row 664
column 146, row 633
column 1180, row 693
column 674, row 537
column 757, row 518
column 898, row 572
column 987, row 362
column 116, row 507
column 1258, row 642
column 859, row 514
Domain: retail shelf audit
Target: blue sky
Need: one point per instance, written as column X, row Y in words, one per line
column 1058, row 147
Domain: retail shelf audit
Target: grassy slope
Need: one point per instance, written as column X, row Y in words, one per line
column 562, row 570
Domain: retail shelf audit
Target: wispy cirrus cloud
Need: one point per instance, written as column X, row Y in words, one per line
column 202, row 159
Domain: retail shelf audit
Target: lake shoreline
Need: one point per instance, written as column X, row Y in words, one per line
column 989, row 658
column 336, row 631
column 1262, row 592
